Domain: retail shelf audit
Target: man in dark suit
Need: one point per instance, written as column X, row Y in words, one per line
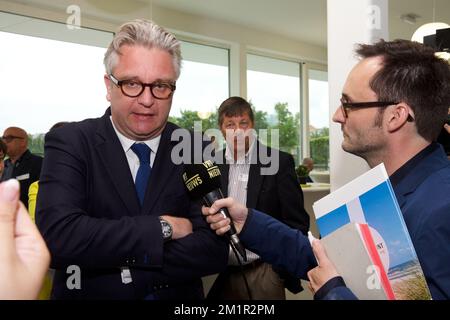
column 277, row 193
column 112, row 205
column 21, row 164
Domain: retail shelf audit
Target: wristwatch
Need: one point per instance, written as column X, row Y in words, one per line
column 166, row 229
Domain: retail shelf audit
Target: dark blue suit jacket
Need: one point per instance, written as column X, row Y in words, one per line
column 89, row 214
column 424, row 198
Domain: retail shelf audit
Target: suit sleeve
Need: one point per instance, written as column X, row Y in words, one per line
column 198, row 254
column 290, row 196
column 432, row 242
column 75, row 234
column 280, row 245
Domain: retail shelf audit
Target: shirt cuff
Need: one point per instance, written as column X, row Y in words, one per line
column 247, row 222
column 328, row 286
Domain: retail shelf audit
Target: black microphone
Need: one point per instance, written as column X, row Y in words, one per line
column 203, row 181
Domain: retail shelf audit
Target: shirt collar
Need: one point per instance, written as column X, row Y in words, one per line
column 126, row 143
column 411, row 164
column 247, row 157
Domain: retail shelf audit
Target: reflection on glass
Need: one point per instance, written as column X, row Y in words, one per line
column 273, row 89
column 319, row 119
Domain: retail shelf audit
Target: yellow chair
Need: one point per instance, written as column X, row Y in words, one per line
column 46, row 290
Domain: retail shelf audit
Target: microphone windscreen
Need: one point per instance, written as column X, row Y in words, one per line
column 201, row 179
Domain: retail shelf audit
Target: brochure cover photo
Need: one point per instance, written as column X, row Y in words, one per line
column 370, row 199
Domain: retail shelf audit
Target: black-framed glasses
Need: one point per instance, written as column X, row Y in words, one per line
column 362, row 105
column 134, row 88
column 8, row 139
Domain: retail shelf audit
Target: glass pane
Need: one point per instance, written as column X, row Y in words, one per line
column 273, row 89
column 319, row 119
column 49, row 80
column 202, row 86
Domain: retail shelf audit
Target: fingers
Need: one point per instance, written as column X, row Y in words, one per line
column 215, row 218
column 205, row 211
column 221, row 203
column 217, row 222
column 24, row 225
column 29, row 240
column 220, row 224
column 319, row 252
column 9, row 197
column 310, row 287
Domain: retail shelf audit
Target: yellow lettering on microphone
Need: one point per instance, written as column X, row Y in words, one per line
column 193, row 182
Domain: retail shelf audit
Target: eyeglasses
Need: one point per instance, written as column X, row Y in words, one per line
column 372, row 104
column 362, row 105
column 8, row 139
column 134, row 88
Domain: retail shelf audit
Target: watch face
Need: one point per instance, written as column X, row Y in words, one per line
column 166, row 229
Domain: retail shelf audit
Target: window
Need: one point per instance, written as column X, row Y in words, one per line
column 202, row 86
column 319, row 119
column 273, row 89
column 50, row 74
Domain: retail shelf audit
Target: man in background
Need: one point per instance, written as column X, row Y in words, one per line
column 309, row 164
column 21, row 164
column 2, row 157
column 277, row 194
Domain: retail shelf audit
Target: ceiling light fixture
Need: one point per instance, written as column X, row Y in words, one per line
column 430, row 29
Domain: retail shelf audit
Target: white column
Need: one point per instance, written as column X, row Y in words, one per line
column 349, row 22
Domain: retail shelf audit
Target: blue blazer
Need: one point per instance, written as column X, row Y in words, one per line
column 89, row 214
column 424, row 198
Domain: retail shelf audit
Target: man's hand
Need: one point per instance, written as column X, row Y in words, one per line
column 324, row 271
column 181, row 227
column 447, row 127
column 220, row 223
column 24, row 257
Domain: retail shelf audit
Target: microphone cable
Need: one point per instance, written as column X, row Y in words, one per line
column 238, row 257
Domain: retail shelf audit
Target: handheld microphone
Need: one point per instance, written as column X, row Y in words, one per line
column 203, row 181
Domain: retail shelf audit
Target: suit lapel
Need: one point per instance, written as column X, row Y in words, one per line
column 114, row 160
column 255, row 179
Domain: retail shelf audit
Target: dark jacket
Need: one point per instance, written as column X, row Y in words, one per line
column 278, row 195
column 27, row 170
column 89, row 214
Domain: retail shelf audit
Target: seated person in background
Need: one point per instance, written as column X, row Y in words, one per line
column 277, row 194
column 309, row 164
column 2, row 157
column 24, row 258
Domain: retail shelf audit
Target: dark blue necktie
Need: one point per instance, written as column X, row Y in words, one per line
column 143, row 174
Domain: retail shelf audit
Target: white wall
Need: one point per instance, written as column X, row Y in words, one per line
column 349, row 22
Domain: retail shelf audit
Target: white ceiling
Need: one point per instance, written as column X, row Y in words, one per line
column 302, row 20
